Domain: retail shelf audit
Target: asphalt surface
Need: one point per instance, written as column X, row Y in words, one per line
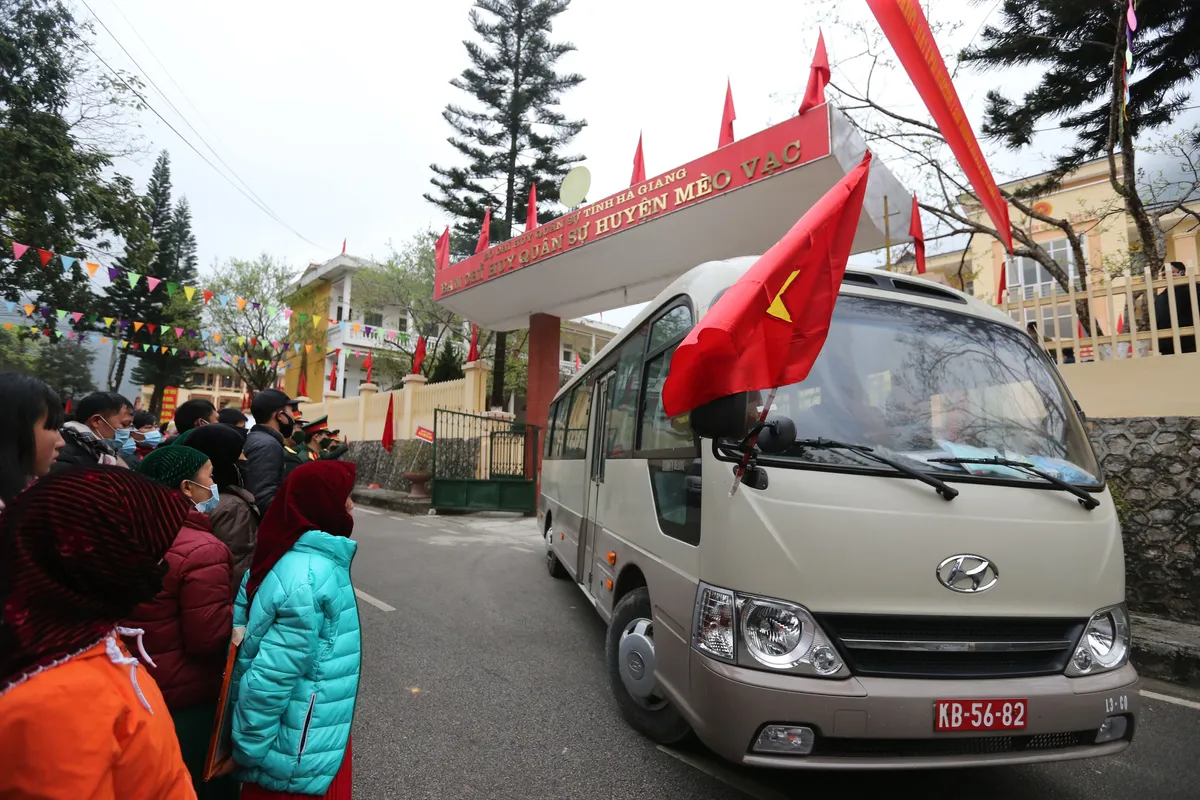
column 487, row 681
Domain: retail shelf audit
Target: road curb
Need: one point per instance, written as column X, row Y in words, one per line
column 391, row 500
column 1166, row 650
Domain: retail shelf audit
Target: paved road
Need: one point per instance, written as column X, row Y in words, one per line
column 486, row 681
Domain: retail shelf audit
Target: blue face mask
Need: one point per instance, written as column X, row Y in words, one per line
column 120, row 436
column 153, row 438
column 209, row 505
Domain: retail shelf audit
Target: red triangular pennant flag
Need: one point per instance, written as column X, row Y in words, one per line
column 485, row 231
column 531, row 209
column 473, row 353
column 818, row 77
column 418, row 356
column 18, row 251
column 389, row 424
column 639, row 164
column 44, row 256
column 918, row 236
column 207, row 296
column 728, row 115
column 441, row 252
column 769, row 327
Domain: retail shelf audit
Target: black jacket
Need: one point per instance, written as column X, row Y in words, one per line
column 82, row 448
column 264, row 464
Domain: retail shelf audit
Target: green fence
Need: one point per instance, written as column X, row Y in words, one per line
column 483, row 463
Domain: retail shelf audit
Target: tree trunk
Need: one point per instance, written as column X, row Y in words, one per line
column 498, row 367
column 116, row 385
column 156, row 398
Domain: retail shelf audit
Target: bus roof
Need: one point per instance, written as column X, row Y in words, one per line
column 703, row 284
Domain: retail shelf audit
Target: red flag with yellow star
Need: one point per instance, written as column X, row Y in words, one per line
column 769, row 327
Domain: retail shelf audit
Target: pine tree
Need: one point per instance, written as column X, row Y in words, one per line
column 155, row 251
column 516, row 135
column 1080, row 47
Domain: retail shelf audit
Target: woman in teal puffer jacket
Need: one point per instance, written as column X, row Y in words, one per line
column 295, row 680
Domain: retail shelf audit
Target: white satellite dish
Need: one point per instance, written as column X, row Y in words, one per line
column 575, row 187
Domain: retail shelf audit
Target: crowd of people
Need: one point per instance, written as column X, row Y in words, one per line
column 131, row 562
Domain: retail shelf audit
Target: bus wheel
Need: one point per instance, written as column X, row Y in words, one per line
column 629, row 652
column 553, row 565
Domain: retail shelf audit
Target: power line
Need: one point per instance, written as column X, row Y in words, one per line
column 253, row 199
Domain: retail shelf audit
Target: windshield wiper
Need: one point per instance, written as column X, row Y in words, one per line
column 946, row 491
column 1085, row 498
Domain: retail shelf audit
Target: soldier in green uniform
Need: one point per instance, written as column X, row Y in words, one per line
column 296, row 452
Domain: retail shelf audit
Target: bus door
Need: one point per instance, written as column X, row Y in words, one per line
column 597, row 446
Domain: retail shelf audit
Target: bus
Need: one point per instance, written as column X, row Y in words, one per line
column 920, row 567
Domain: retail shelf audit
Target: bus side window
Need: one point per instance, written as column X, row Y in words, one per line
column 559, row 435
column 578, row 421
column 623, row 416
column 546, row 448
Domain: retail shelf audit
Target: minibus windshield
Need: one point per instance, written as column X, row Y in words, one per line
column 939, row 390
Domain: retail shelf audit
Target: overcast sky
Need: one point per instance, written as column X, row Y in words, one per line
column 331, row 112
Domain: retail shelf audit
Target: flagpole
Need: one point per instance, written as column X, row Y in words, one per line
column 887, row 232
column 741, row 468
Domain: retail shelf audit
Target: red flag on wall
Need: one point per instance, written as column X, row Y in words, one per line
column 1003, row 287
column 728, row 115
column 302, row 384
column 818, row 77
column 369, row 364
column 333, row 376
column 769, row 327
column 1121, row 324
column 441, row 251
column 389, row 424
column 918, row 236
column 67, row 409
column 577, row 364
column 418, row 356
column 639, row 164
column 343, row 247
column 531, row 209
column 904, row 24
column 485, row 231
column 473, row 353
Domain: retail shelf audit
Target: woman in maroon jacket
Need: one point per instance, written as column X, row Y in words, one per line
column 188, row 624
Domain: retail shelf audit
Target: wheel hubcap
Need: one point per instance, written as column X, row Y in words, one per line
column 549, row 549
column 636, row 662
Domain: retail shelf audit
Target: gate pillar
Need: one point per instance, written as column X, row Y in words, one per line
column 545, row 352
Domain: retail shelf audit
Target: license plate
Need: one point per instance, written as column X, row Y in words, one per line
column 979, row 715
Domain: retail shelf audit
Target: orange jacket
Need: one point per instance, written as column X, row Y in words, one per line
column 78, row 731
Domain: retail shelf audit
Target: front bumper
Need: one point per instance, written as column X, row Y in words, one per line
column 888, row 723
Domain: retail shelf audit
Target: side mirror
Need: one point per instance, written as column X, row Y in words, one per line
column 777, row 436
column 724, row 418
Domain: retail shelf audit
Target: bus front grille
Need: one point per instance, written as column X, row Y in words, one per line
column 952, row 647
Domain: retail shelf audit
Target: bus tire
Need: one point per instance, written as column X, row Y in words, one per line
column 553, row 565
column 654, row 717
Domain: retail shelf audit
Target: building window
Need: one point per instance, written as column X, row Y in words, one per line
column 568, row 355
column 199, row 378
column 1028, row 279
column 226, row 381
column 373, row 319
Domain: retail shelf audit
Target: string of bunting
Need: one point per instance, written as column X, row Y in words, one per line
column 1131, row 24
column 191, row 292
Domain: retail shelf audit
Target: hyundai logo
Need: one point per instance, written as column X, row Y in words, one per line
column 968, row 574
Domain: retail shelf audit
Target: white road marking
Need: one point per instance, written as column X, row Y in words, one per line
column 744, row 785
column 414, row 522
column 375, row 601
column 397, row 519
column 368, row 511
column 447, row 530
column 1166, row 698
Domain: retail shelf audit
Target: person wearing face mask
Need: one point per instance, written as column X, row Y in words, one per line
column 235, row 519
column 144, row 438
column 274, row 420
column 188, row 623
column 101, row 428
column 29, row 436
column 79, row 716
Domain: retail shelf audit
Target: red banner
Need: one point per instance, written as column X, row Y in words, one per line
column 790, row 144
column 169, row 400
column 424, row 434
column 906, row 28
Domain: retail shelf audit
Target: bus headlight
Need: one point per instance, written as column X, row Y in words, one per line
column 762, row 632
column 1104, row 645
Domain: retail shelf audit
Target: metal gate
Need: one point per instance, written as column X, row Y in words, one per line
column 483, row 463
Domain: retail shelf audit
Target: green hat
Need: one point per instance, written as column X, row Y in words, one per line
column 171, row 466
